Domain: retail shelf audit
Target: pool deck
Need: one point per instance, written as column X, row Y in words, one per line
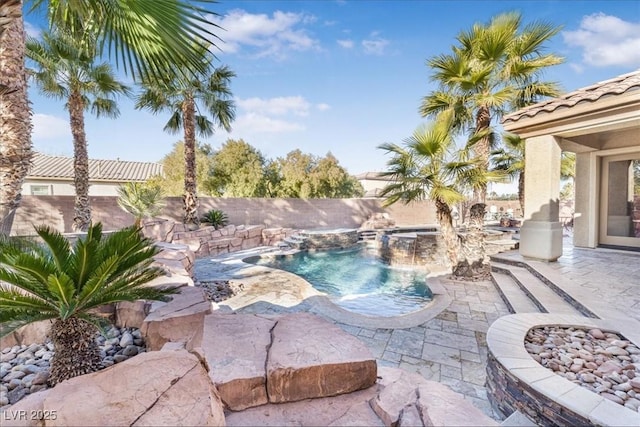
column 448, row 344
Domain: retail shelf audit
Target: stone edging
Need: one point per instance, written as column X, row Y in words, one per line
column 440, row 301
column 560, row 397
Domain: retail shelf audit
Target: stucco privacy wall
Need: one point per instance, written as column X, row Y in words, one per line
column 57, row 211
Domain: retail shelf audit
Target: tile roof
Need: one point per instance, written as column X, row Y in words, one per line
column 374, row 176
column 615, row 86
column 44, row 166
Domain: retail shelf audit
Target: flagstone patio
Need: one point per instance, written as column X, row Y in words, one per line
column 449, row 346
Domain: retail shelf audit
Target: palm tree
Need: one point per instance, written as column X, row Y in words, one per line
column 66, row 69
column 149, row 39
column 426, row 168
column 140, row 200
column 65, row 283
column 510, row 159
column 15, row 115
column 181, row 97
column 494, row 68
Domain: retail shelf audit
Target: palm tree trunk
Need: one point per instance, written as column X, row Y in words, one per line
column 448, row 232
column 82, row 207
column 521, row 191
column 475, row 265
column 15, row 113
column 190, row 197
column 76, row 350
column 482, row 148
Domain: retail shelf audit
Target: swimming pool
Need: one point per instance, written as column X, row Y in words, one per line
column 357, row 280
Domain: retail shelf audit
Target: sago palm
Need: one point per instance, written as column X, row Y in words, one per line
column 66, row 68
column 493, row 69
column 141, row 200
column 426, row 168
column 65, row 283
column 148, row 38
column 183, row 98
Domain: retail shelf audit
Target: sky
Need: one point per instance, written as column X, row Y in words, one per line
column 344, row 76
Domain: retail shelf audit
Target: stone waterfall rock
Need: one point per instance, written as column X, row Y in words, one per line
column 310, row 357
column 235, row 348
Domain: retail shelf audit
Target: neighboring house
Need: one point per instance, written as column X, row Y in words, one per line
column 373, row 183
column 601, row 124
column 53, row 175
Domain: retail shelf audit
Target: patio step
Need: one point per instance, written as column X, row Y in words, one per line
column 548, row 276
column 513, row 296
column 543, row 297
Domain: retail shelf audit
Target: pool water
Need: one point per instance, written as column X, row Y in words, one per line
column 357, row 280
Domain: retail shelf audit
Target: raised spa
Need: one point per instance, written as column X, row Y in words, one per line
column 357, row 280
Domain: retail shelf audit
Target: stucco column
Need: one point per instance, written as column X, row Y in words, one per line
column 585, row 231
column 541, row 233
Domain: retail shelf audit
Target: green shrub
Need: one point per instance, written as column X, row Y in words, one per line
column 216, row 217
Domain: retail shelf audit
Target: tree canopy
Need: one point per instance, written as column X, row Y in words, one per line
column 237, row 169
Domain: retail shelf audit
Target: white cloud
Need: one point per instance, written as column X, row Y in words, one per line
column 347, row 44
column 375, row 45
column 32, row 30
column 576, row 67
column 323, row 107
column 265, row 35
column 253, row 123
column 46, row 126
column 606, row 40
column 279, row 106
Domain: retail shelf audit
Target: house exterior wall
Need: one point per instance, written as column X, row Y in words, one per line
column 66, row 188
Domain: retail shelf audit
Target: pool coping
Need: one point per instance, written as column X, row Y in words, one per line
column 321, row 304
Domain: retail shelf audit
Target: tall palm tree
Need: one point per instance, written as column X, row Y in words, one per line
column 148, row 38
column 66, row 283
column 15, row 114
column 510, row 159
column 494, row 68
column 425, row 168
column 210, row 94
column 66, row 69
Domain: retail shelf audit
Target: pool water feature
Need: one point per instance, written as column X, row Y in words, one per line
column 357, row 280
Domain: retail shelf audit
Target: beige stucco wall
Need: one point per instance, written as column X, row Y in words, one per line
column 57, row 211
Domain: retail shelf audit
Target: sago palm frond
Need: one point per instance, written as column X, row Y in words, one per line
column 59, row 280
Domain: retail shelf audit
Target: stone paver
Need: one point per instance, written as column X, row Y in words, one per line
column 451, row 347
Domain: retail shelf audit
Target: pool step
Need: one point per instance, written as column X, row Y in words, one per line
column 295, row 241
column 367, row 235
column 523, row 292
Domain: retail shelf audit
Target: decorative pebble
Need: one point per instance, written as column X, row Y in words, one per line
column 602, row 362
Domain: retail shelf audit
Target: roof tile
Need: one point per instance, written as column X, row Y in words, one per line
column 44, row 166
column 615, row 86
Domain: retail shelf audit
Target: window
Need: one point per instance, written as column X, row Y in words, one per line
column 40, row 190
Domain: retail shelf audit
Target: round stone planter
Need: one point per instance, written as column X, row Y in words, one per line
column 515, row 381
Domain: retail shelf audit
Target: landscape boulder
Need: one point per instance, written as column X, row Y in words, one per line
column 311, row 357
